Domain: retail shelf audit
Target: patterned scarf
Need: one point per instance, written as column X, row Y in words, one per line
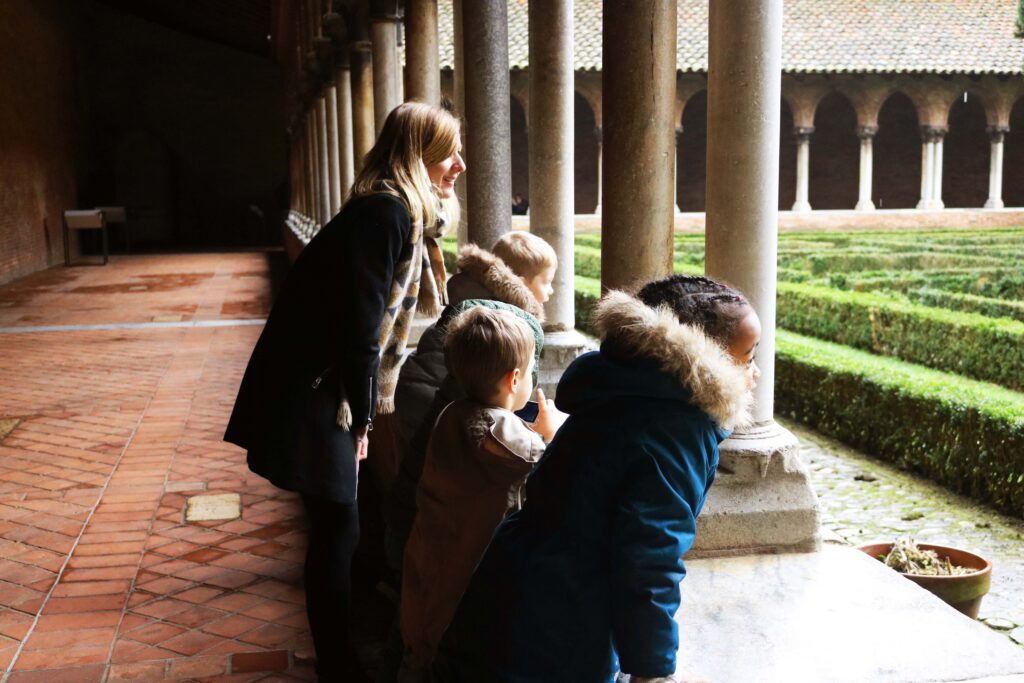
column 418, row 283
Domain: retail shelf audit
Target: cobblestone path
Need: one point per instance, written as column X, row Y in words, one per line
column 864, row 500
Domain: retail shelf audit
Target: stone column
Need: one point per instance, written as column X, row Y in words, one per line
column 802, row 135
column 931, row 168
column 386, row 68
column 927, row 151
column 638, row 83
column 314, row 171
column 867, row 136
column 324, row 158
column 762, row 500
column 937, row 203
column 996, row 135
column 552, row 125
column 346, row 165
column 598, row 137
column 459, row 81
column 333, row 147
column 422, row 70
column 363, row 131
column 488, row 128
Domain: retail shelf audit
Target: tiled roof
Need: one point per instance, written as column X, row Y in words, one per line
column 821, row 36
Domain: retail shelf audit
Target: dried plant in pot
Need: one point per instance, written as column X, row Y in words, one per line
column 958, row 577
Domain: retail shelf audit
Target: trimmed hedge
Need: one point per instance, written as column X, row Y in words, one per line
column 966, row 435
column 998, row 283
column 823, row 262
column 988, row 349
column 993, row 308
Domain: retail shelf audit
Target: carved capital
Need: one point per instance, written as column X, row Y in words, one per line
column 996, row 134
column 866, row 132
column 933, row 133
column 803, row 133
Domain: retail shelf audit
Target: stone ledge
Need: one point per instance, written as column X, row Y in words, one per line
column 835, row 615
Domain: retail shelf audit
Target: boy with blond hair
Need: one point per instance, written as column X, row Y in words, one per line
column 477, row 460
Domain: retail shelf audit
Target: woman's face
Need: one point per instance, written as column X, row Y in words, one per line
column 443, row 173
column 744, row 343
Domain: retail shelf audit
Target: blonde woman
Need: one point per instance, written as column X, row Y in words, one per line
column 329, row 355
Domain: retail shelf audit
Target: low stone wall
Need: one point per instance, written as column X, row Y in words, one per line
column 882, row 219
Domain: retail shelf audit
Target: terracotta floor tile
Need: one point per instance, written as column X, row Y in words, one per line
column 126, row 434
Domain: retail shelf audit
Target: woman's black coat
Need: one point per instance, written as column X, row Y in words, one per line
column 322, row 333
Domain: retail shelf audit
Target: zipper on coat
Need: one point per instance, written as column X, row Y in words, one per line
column 369, row 403
column 320, row 378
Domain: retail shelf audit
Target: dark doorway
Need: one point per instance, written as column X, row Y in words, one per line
column 897, row 155
column 965, row 155
column 835, row 155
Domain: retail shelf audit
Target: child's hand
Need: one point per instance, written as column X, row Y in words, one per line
column 361, row 439
column 549, row 418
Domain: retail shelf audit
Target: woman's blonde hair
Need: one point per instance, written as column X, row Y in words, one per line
column 415, row 135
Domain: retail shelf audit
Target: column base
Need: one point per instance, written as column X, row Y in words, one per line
column 994, row 203
column 865, row 205
column 560, row 349
column 597, row 210
column 801, row 206
column 931, row 204
column 762, row 500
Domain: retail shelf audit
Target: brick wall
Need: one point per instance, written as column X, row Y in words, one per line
column 37, row 134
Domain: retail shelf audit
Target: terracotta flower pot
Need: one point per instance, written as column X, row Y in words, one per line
column 962, row 592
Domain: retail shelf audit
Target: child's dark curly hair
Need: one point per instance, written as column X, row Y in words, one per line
column 697, row 300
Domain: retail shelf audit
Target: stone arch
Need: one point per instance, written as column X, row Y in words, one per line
column 835, row 154
column 585, row 155
column 1013, row 157
column 691, row 151
column 966, row 153
column 897, row 154
column 520, row 145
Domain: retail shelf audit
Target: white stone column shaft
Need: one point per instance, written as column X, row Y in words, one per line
column 333, row 148
column 762, row 500
column 551, row 147
column 346, row 159
column 744, row 116
column 937, row 202
column 867, row 136
column 386, row 69
column 927, row 173
column 803, row 167
column 995, row 168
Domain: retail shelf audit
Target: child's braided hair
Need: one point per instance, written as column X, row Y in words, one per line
column 697, row 300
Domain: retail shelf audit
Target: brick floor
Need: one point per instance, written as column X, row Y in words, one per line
column 101, row 579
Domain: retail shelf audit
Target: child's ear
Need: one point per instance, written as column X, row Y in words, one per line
column 514, row 379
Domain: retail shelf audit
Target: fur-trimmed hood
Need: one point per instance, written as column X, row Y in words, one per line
column 701, row 366
column 488, row 271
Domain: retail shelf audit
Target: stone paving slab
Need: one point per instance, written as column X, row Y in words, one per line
column 101, row 577
column 837, row 616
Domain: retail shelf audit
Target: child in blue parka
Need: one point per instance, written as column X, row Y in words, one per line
column 583, row 582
